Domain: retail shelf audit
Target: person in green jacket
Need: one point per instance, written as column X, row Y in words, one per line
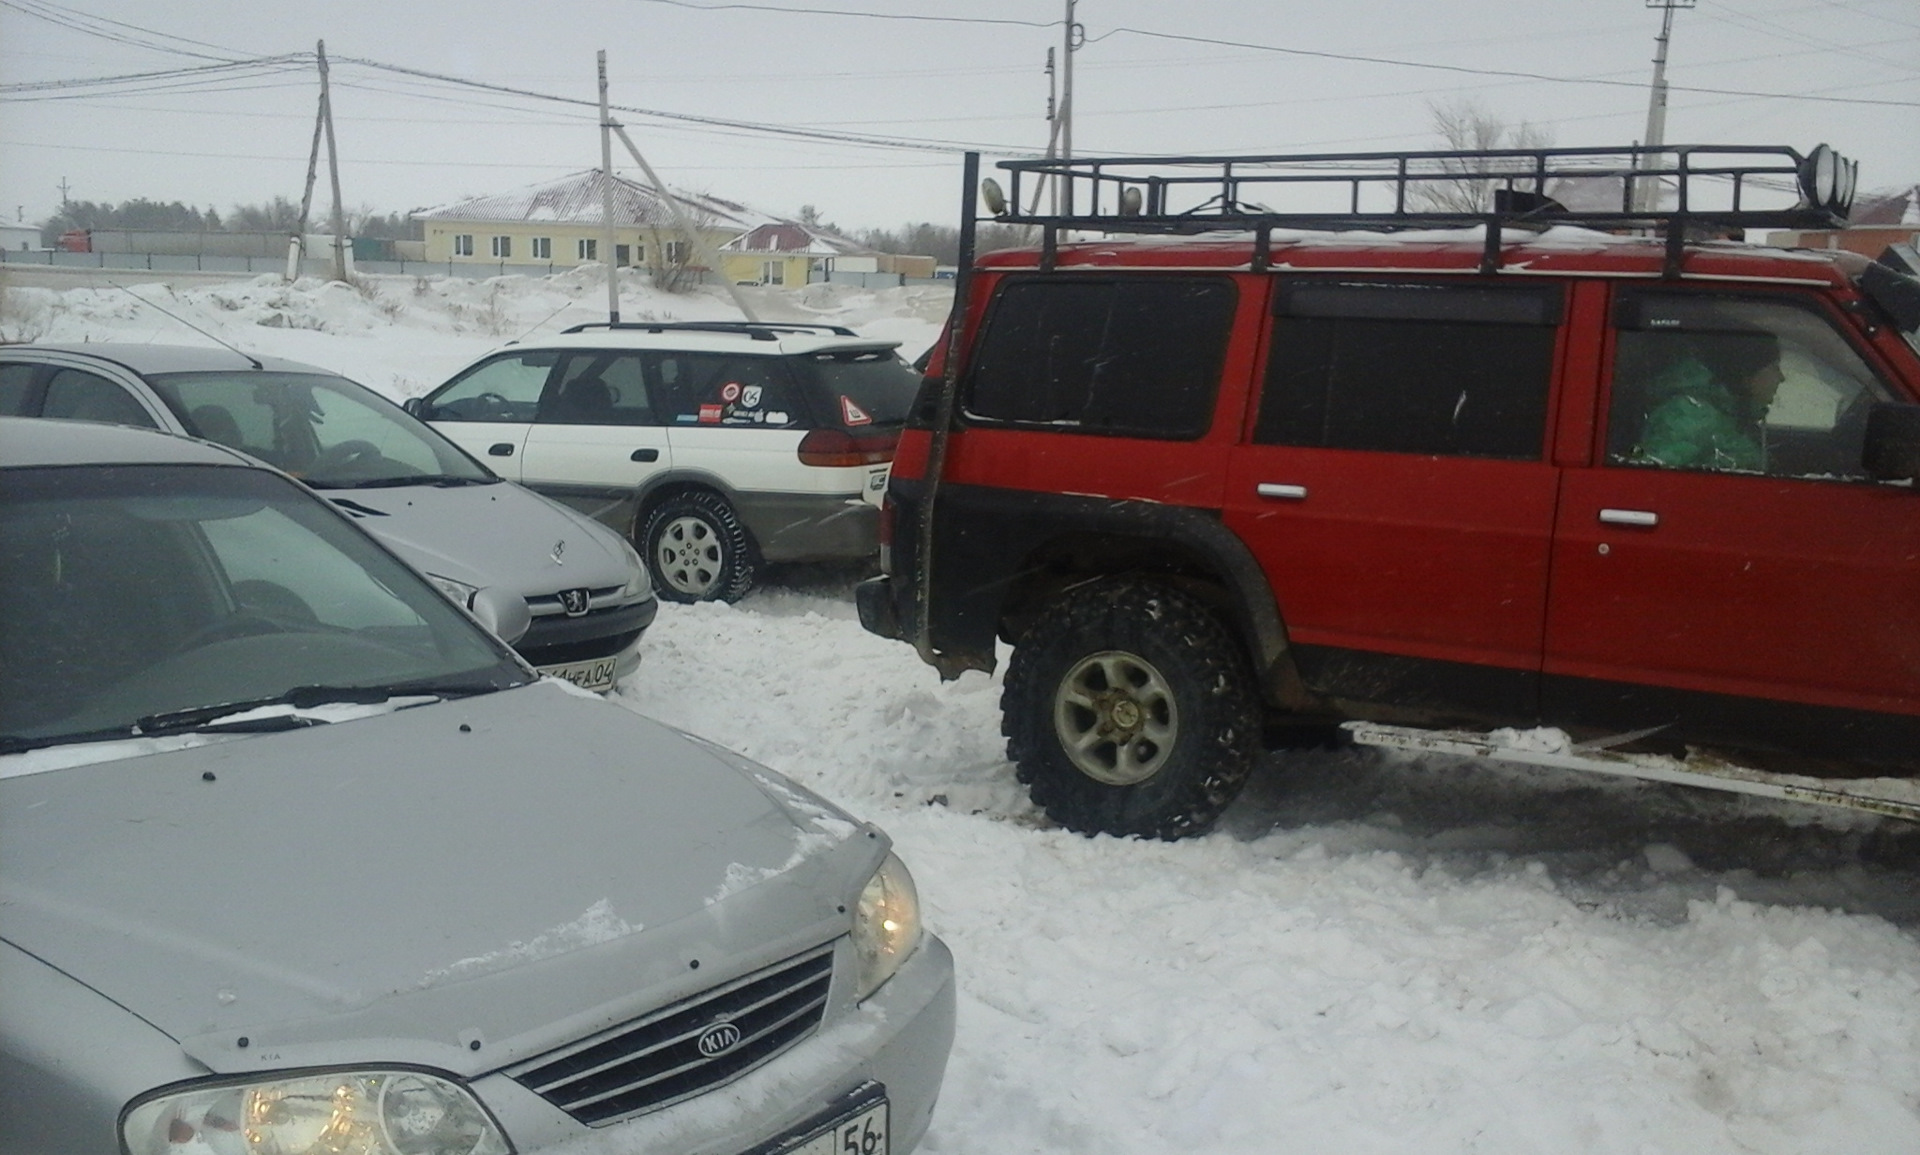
column 1706, row 410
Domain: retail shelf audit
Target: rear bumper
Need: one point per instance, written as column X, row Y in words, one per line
column 811, row 526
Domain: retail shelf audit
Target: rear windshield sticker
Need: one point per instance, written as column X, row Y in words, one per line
column 710, row 414
column 852, row 414
column 730, row 392
column 750, row 397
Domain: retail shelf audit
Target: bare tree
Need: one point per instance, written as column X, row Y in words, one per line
column 1470, row 126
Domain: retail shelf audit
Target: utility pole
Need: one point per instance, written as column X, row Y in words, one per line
column 1073, row 37
column 333, row 171
column 63, row 194
column 1645, row 198
column 606, row 197
column 1053, row 140
column 297, row 246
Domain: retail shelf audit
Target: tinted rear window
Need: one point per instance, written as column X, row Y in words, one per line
column 1455, row 370
column 876, row 381
column 1134, row 356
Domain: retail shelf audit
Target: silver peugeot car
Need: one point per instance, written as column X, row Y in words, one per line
column 296, row 858
column 587, row 599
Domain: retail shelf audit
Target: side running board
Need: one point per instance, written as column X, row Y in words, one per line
column 1891, row 797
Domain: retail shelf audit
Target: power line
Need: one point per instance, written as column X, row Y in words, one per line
column 74, row 19
column 856, row 14
column 1501, row 72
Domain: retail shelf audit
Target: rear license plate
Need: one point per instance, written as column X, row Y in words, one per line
column 863, row 1132
column 594, row 675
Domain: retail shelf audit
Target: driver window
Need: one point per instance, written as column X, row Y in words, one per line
column 1737, row 385
column 505, row 388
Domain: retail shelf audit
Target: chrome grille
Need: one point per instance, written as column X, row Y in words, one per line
column 654, row 1061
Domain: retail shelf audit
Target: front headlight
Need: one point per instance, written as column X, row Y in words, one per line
column 459, row 593
column 638, row 585
column 390, row 1112
column 886, row 924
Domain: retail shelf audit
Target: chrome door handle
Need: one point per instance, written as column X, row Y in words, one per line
column 1281, row 492
column 1641, row 517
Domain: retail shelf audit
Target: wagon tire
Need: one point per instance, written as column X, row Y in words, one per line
column 697, row 549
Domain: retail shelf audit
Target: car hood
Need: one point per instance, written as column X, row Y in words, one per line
column 461, row 885
column 489, row 535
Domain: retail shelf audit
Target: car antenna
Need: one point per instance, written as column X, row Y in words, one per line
column 228, row 345
column 540, row 322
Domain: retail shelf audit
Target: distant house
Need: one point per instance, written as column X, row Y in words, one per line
column 784, row 252
column 1876, row 222
column 560, row 224
column 20, row 238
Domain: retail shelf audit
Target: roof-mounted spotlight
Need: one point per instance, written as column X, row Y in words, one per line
column 1131, row 202
column 1827, row 180
column 993, row 197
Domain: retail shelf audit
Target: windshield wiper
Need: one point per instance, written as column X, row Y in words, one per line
column 205, row 719
column 438, row 480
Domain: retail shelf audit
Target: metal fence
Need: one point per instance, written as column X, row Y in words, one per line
column 312, row 266
column 323, row 266
column 872, row 280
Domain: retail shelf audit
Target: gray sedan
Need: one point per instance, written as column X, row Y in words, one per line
column 296, row 858
column 572, row 595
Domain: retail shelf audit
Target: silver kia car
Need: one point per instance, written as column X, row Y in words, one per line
column 296, row 858
column 587, row 599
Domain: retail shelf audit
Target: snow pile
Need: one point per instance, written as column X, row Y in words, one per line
column 1397, row 978
column 403, row 335
column 1375, row 953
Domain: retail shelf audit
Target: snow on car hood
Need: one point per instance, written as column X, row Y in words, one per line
column 460, row 885
column 489, row 535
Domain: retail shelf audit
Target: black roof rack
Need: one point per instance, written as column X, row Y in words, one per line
column 758, row 330
column 1681, row 191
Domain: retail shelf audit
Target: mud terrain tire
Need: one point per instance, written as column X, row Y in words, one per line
column 1128, row 710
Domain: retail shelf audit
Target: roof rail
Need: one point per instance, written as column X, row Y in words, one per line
column 1683, row 191
column 758, row 330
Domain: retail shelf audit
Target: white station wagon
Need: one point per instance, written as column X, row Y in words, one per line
column 714, row 446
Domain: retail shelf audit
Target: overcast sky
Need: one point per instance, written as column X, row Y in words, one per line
column 920, row 79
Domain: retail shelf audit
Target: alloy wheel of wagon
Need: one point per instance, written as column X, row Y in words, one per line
column 1128, row 710
column 697, row 549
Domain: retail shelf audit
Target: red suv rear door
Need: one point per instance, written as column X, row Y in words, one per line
column 1395, row 486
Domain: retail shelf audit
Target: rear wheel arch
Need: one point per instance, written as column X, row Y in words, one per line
column 1183, row 549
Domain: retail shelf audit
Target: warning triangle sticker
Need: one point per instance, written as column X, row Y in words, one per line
column 852, row 414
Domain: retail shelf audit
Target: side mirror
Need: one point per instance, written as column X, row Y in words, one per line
column 503, row 612
column 416, row 406
column 1892, row 451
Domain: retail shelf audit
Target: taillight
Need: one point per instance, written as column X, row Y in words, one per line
column 840, row 449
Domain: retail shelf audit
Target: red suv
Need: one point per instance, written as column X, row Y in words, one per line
column 1252, row 467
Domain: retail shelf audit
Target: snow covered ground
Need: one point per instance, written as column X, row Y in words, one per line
column 1374, row 953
